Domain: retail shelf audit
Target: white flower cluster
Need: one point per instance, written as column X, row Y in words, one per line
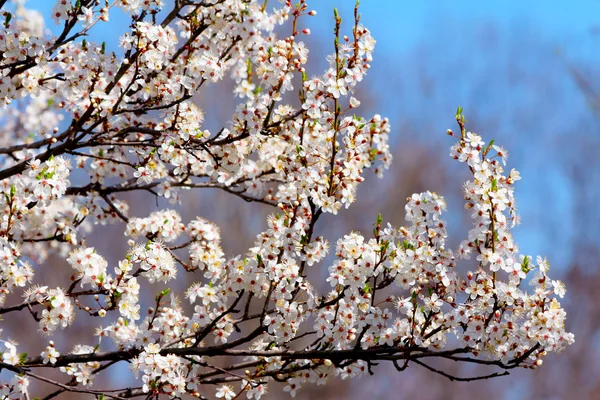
column 14, row 273
column 155, row 262
column 50, row 354
column 167, row 372
column 90, row 265
column 83, row 372
column 9, row 354
column 49, row 180
column 59, row 311
column 18, row 386
column 135, row 127
column 205, row 250
column 163, row 225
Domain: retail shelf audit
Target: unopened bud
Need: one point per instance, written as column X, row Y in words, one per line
column 306, row 31
column 312, row 13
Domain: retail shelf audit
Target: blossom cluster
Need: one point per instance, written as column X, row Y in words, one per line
column 18, row 386
column 400, row 295
column 83, row 373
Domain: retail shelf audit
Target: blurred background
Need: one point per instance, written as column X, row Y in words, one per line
column 528, row 76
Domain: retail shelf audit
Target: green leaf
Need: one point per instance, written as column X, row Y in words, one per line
column 304, row 239
column 44, row 174
column 373, row 154
column 525, row 264
column 459, row 111
column 249, row 67
column 407, row 245
column 384, row 246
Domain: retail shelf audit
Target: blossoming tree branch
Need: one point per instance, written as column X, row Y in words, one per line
column 82, row 126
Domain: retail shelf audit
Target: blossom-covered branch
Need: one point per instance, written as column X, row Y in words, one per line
column 83, row 125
